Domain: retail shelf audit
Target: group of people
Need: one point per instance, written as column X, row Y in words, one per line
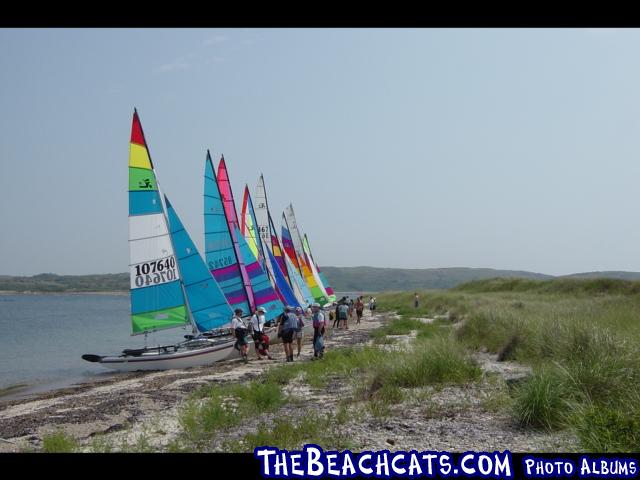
column 289, row 326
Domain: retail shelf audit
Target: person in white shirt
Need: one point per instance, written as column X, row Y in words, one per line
column 257, row 323
column 240, row 330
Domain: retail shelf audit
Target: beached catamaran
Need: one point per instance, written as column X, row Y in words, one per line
column 169, row 282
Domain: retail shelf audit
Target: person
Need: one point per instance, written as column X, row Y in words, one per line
column 240, row 330
column 319, row 324
column 257, row 324
column 351, row 308
column 374, row 305
column 289, row 327
column 263, row 347
column 299, row 334
column 343, row 314
column 359, row 309
column 416, row 301
column 336, row 321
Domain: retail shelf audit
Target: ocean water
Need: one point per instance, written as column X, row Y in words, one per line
column 42, row 339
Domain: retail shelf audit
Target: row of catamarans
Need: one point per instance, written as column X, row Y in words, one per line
column 245, row 265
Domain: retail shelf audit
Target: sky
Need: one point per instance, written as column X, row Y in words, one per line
column 411, row 148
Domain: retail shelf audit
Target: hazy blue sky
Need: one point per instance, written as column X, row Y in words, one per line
column 515, row 149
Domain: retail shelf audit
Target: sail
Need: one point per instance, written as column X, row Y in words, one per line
column 284, row 290
column 300, row 289
column 302, row 255
column 314, row 264
column 307, row 274
column 157, row 300
column 276, row 271
column 298, row 282
column 224, row 187
column 248, row 227
column 208, row 305
column 263, row 292
column 220, row 254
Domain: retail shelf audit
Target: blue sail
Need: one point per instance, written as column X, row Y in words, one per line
column 264, row 294
column 208, row 305
column 220, row 255
column 282, row 284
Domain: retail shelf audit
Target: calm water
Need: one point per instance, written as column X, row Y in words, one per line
column 42, row 338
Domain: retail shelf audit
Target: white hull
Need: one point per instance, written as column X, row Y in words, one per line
column 154, row 360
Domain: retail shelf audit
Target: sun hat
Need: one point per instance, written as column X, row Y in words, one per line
column 261, row 309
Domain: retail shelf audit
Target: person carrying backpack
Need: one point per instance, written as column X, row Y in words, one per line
column 289, row 327
column 343, row 314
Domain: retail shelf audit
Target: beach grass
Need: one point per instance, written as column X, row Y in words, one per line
column 580, row 336
column 59, row 442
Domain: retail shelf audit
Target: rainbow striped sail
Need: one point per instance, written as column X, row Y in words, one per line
column 307, row 249
column 248, row 227
column 206, row 302
column 290, row 250
column 302, row 255
column 263, row 292
column 224, row 187
column 220, row 253
column 157, row 299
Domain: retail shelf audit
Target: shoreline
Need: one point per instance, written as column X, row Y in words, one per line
column 141, row 411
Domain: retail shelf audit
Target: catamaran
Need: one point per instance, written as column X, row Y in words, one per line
column 169, row 283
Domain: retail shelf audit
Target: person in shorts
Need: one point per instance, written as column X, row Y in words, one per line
column 289, row 327
column 359, row 309
column 319, row 325
column 240, row 330
column 298, row 336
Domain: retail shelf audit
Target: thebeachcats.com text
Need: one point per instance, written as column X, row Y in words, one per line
column 313, row 462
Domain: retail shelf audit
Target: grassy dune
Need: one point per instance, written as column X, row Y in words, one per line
column 582, row 338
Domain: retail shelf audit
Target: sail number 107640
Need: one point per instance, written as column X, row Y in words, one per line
column 154, row 273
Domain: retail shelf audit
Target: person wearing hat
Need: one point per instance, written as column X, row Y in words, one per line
column 299, row 334
column 319, row 324
column 240, row 330
column 257, row 323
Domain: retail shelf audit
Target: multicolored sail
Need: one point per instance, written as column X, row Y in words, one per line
column 206, row 302
column 300, row 286
column 302, row 256
column 263, row 292
column 300, row 289
column 220, row 253
column 310, row 280
column 277, row 271
column 283, row 288
column 157, row 300
column 307, row 250
column 248, row 227
column 224, row 187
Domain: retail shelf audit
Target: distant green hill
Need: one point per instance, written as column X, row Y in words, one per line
column 372, row 279
column 52, row 283
column 342, row 279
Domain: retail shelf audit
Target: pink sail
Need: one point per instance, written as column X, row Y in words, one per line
column 232, row 219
